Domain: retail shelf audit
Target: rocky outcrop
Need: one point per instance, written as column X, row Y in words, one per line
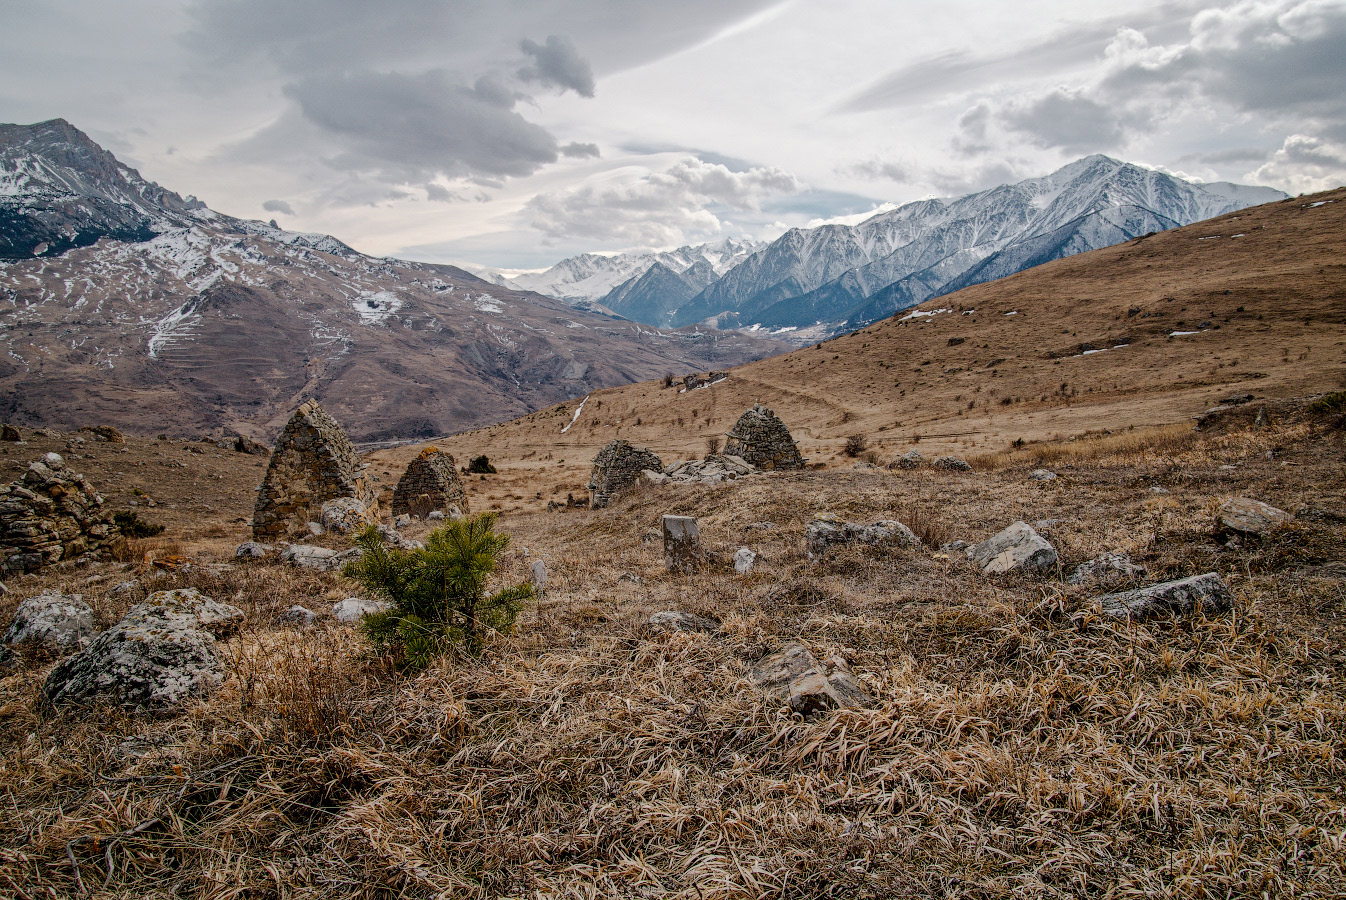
column 1016, row 549
column 160, row 653
column 430, row 483
column 829, row 531
column 616, row 468
column 49, row 515
column 1185, row 597
column 314, row 461
column 761, row 439
column 793, row 676
column 51, row 623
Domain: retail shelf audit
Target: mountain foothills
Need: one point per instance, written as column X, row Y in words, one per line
column 813, row 283
column 122, row 302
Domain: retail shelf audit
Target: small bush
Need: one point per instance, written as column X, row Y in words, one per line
column 480, row 465
column 438, row 593
column 131, row 525
column 855, row 445
column 712, row 445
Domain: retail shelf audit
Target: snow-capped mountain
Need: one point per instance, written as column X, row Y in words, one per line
column 123, row 303
column 837, row 277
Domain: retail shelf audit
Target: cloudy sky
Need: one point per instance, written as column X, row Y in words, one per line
column 516, row 132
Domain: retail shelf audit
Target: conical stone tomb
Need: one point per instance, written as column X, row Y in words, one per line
column 761, row 439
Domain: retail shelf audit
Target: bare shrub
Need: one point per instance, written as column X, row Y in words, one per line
column 855, row 445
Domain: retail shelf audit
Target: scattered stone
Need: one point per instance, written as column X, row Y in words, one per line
column 1187, row 596
column 630, row 578
column 794, row 676
column 761, row 440
column 51, row 623
column 827, row 531
column 315, row 529
column 714, row 469
column 682, row 621
column 951, row 464
column 9, row 433
column 744, row 560
column 307, row 556
column 430, row 483
column 1243, row 515
column 864, row 465
column 1042, row 475
column 49, row 515
column 954, row 546
column 912, row 459
column 434, row 516
column 240, row 444
column 105, row 433
column 402, row 521
column 250, row 550
column 538, row 571
column 353, row 609
column 314, row 461
column 1016, row 549
column 346, row 515
column 298, row 615
column 682, row 544
column 616, row 468
column 159, row 654
column 1107, row 567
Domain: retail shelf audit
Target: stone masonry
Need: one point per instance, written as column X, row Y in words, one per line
column 49, row 515
column 314, row 461
column 430, row 483
column 762, row 439
column 616, row 467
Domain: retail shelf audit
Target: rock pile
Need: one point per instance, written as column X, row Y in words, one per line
column 692, row 382
column 616, row 468
column 105, row 433
column 314, row 461
column 713, row 469
column 951, row 464
column 430, row 483
column 49, row 515
column 761, row 439
column 912, row 459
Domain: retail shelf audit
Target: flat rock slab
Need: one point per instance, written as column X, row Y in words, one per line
column 793, row 676
column 828, row 531
column 1243, row 515
column 1016, row 549
column 1185, row 597
column 674, row 620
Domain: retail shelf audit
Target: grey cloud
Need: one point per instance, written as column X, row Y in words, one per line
column 440, row 194
column 580, row 151
column 279, row 206
column 1069, row 121
column 412, row 127
column 557, row 64
column 1231, row 155
column 1304, row 164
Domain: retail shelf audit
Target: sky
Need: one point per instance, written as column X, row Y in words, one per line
column 514, row 133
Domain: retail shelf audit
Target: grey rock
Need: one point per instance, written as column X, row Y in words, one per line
column 538, row 571
column 714, row 469
column 250, row 550
column 954, row 546
column 682, row 543
column 353, row 609
column 793, row 676
column 316, row 529
column 1243, row 515
column 124, row 588
column 1042, row 475
column 951, row 464
column 402, row 521
column 744, row 560
column 682, row 621
column 346, row 515
column 1016, row 549
column 1204, row 593
column 298, row 615
column 912, row 459
column 307, row 556
column 188, row 607
column 1105, row 567
column 616, row 468
column 828, row 531
column 51, row 622
column 434, row 516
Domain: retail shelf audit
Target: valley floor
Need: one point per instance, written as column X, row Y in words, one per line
column 1021, row 745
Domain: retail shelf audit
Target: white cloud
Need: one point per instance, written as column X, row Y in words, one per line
column 1303, row 165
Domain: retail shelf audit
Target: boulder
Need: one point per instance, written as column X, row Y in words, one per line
column 51, row 623
column 1187, row 596
column 353, row 609
column 298, row 615
column 1106, row 567
column 250, row 550
column 744, row 560
column 912, row 459
column 793, row 676
column 951, row 464
column 827, row 531
column 346, row 515
column 1243, row 515
column 762, row 441
column 682, row 621
column 159, row 654
column 682, row 544
column 402, row 521
column 1042, row 475
column 1016, row 549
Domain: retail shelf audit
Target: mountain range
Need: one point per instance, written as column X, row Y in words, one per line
column 124, row 303
column 813, row 283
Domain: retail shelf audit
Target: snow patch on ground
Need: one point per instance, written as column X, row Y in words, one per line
column 176, row 324
column 488, row 304
column 575, row 418
column 374, row 307
column 1183, row 333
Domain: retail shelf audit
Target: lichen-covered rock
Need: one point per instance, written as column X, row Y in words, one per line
column 300, row 616
column 828, row 531
column 346, row 515
column 1016, row 549
column 682, row 543
column 1106, row 567
column 674, row 620
column 1200, row 593
column 1243, row 515
column 616, row 467
column 429, row 484
column 320, row 559
column 314, row 461
column 912, row 459
column 250, row 550
column 951, row 464
column 761, row 440
column 793, row 676
column 1042, row 475
column 51, row 623
column 50, row 515
column 160, row 653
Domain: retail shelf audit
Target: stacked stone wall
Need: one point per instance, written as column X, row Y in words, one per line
column 761, row 439
column 430, row 483
column 616, row 467
column 49, row 515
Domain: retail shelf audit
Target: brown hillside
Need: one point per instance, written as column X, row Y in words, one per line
column 1264, row 290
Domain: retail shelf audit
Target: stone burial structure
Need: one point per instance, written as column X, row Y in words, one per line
column 616, row 468
column 49, row 515
column 314, row 462
column 761, row 439
column 430, row 483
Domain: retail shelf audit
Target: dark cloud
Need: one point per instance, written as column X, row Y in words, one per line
column 1074, row 123
column 580, row 151
column 410, row 128
column 279, row 206
column 557, row 64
